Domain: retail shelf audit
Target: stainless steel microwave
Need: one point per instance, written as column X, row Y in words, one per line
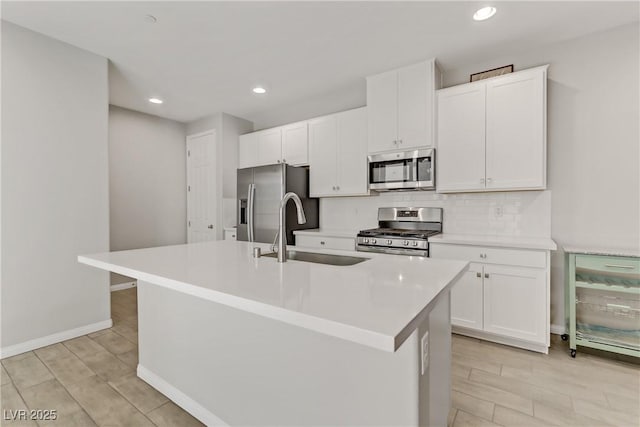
column 403, row 170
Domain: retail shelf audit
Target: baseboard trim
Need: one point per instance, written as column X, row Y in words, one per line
column 16, row 349
column 123, row 286
column 558, row 329
column 179, row 398
column 513, row 342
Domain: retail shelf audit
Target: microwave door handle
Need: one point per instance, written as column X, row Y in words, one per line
column 251, row 191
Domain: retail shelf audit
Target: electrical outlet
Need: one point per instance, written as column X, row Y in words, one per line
column 425, row 351
column 498, row 212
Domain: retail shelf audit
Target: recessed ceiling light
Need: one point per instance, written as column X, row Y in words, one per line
column 484, row 13
column 155, row 101
column 259, row 89
column 150, row 19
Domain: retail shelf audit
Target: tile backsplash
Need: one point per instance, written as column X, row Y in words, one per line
column 518, row 213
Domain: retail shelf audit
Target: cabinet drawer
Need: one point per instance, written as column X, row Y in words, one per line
column 340, row 243
column 609, row 264
column 489, row 255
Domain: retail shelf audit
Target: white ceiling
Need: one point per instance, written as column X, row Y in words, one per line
column 204, row 57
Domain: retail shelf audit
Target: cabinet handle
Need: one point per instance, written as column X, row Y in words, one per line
column 337, row 187
column 333, row 188
column 481, row 180
column 284, row 160
column 478, row 274
column 278, row 161
column 483, row 256
column 630, row 267
column 395, row 142
column 322, row 242
column 399, row 141
column 486, row 275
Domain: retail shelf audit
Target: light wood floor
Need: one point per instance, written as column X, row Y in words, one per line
column 91, row 381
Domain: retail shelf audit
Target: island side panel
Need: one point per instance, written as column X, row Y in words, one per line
column 435, row 386
column 245, row 369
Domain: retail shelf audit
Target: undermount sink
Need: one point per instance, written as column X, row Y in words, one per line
column 320, row 258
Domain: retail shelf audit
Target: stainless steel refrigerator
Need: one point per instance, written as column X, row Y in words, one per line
column 260, row 190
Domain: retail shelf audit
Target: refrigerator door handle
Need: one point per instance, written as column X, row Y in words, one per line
column 251, row 191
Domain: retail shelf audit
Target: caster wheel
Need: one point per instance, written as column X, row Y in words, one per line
column 564, row 337
column 573, row 353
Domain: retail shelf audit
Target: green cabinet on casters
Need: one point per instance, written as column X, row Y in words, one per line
column 602, row 302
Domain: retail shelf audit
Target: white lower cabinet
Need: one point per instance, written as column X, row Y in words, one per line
column 230, row 234
column 505, row 298
column 466, row 299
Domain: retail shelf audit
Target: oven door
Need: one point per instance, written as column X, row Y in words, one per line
column 407, row 170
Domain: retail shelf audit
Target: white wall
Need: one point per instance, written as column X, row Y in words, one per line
column 593, row 152
column 228, row 129
column 342, row 99
column 147, row 180
column 593, row 141
column 54, row 188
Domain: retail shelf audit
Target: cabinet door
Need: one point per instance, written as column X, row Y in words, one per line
column 269, row 146
column 323, row 137
column 414, row 112
column 352, row 175
column 248, row 150
column 515, row 301
column 382, row 103
column 295, row 147
column 516, row 131
column 466, row 299
column 461, row 139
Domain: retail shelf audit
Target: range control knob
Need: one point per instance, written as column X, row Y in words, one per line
column 389, row 242
column 415, row 243
column 366, row 240
column 406, row 243
column 373, row 241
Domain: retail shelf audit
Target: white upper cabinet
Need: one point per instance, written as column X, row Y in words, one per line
column 461, row 148
column 338, row 154
column 400, row 107
column 516, row 131
column 284, row 144
column 270, row 146
column 491, row 134
column 248, row 150
column 295, row 146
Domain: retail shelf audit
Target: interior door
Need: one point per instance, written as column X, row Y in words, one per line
column 202, row 189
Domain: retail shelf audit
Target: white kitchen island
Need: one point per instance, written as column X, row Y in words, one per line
column 240, row 340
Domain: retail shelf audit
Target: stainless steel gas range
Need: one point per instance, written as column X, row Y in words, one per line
column 402, row 231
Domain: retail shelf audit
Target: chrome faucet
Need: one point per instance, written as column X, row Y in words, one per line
column 282, row 238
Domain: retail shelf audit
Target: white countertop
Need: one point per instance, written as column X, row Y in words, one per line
column 628, row 252
column 507, row 242
column 377, row 303
column 327, row 232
